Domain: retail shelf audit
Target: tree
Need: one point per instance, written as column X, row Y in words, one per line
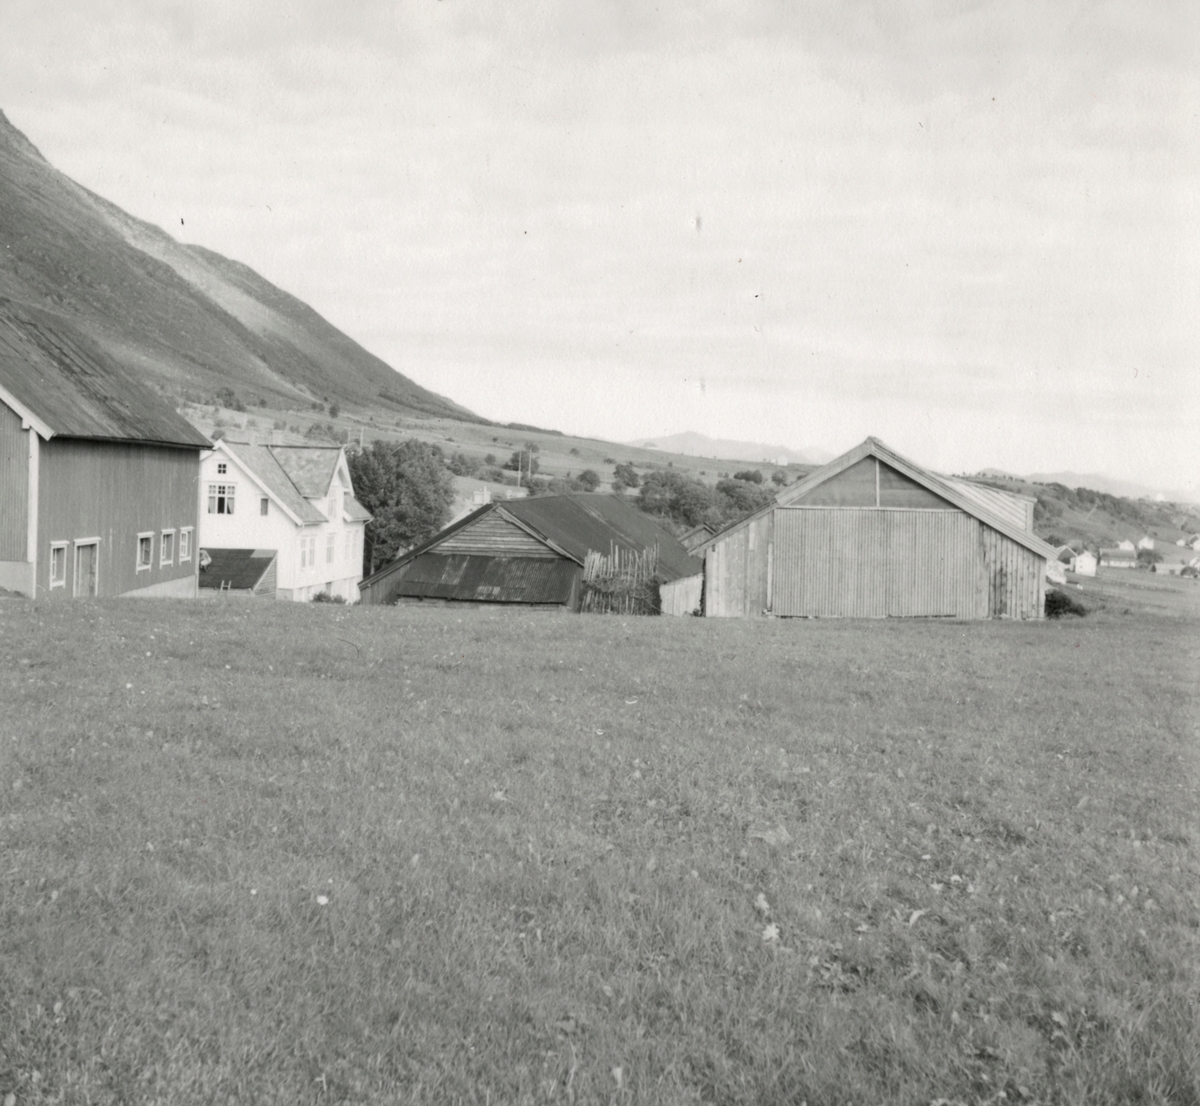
column 779, row 477
column 683, row 499
column 751, row 476
column 334, row 410
column 739, row 497
column 408, row 491
column 1148, row 557
column 589, row 480
column 624, row 477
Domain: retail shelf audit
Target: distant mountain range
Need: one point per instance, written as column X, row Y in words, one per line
column 691, row 444
column 186, row 319
column 1098, row 482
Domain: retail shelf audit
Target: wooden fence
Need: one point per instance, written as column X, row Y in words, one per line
column 624, row 582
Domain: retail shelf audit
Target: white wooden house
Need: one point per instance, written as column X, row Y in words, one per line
column 296, row 502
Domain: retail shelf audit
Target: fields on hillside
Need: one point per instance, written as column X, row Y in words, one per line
column 276, row 853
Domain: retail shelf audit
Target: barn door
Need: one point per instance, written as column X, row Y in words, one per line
column 86, row 569
column 829, row 563
column 860, row 563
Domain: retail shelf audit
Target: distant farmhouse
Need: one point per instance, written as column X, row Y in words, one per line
column 98, row 474
column 873, row 535
column 280, row 521
column 533, row 553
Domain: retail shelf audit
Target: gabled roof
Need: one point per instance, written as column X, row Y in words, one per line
column 64, row 385
column 310, row 468
column 573, row 526
column 975, row 505
column 353, row 511
column 261, row 463
column 585, row 521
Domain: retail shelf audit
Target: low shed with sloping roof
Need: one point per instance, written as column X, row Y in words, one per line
column 98, row 474
column 873, row 535
column 248, row 571
column 528, row 552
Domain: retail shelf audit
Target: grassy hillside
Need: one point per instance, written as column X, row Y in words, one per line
column 191, row 321
column 1064, row 515
column 297, row 854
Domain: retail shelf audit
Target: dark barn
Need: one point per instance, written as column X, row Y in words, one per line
column 528, row 552
column 99, row 476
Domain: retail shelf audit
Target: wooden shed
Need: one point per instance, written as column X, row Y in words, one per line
column 532, row 552
column 873, row 535
column 99, row 476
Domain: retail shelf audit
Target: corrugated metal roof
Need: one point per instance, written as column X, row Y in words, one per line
column 261, row 460
column 479, row 579
column 310, row 467
column 77, row 390
column 1005, row 504
column 241, row 569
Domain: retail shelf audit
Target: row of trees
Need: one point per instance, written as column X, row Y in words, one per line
column 687, row 501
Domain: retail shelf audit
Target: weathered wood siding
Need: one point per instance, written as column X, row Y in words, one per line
column 1016, row 578
column 14, row 486
column 737, row 570
column 114, row 491
column 682, row 597
column 495, row 536
column 863, row 562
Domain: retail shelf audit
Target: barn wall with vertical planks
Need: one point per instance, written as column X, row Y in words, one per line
column 736, row 571
column 114, row 491
column 861, row 562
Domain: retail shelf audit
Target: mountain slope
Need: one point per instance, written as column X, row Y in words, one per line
column 187, row 319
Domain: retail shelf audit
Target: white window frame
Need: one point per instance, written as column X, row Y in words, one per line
column 55, row 546
column 185, row 544
column 330, row 547
column 264, row 505
column 163, row 559
column 218, row 492
column 222, row 468
column 147, row 535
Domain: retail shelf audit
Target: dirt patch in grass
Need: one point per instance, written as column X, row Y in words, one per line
column 305, row 853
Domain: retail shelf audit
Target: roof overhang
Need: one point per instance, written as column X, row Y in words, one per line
column 29, row 421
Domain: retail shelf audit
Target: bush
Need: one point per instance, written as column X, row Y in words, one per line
column 1059, row 603
column 325, row 597
column 751, row 476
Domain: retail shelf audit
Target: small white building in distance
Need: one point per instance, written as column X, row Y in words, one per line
column 296, row 502
column 1146, row 543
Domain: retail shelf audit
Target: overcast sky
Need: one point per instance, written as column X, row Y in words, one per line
column 969, row 229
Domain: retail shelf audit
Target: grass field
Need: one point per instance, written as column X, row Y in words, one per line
column 272, row 853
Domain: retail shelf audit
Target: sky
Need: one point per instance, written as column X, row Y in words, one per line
column 967, row 228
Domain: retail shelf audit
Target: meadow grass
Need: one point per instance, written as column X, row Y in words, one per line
column 302, row 854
